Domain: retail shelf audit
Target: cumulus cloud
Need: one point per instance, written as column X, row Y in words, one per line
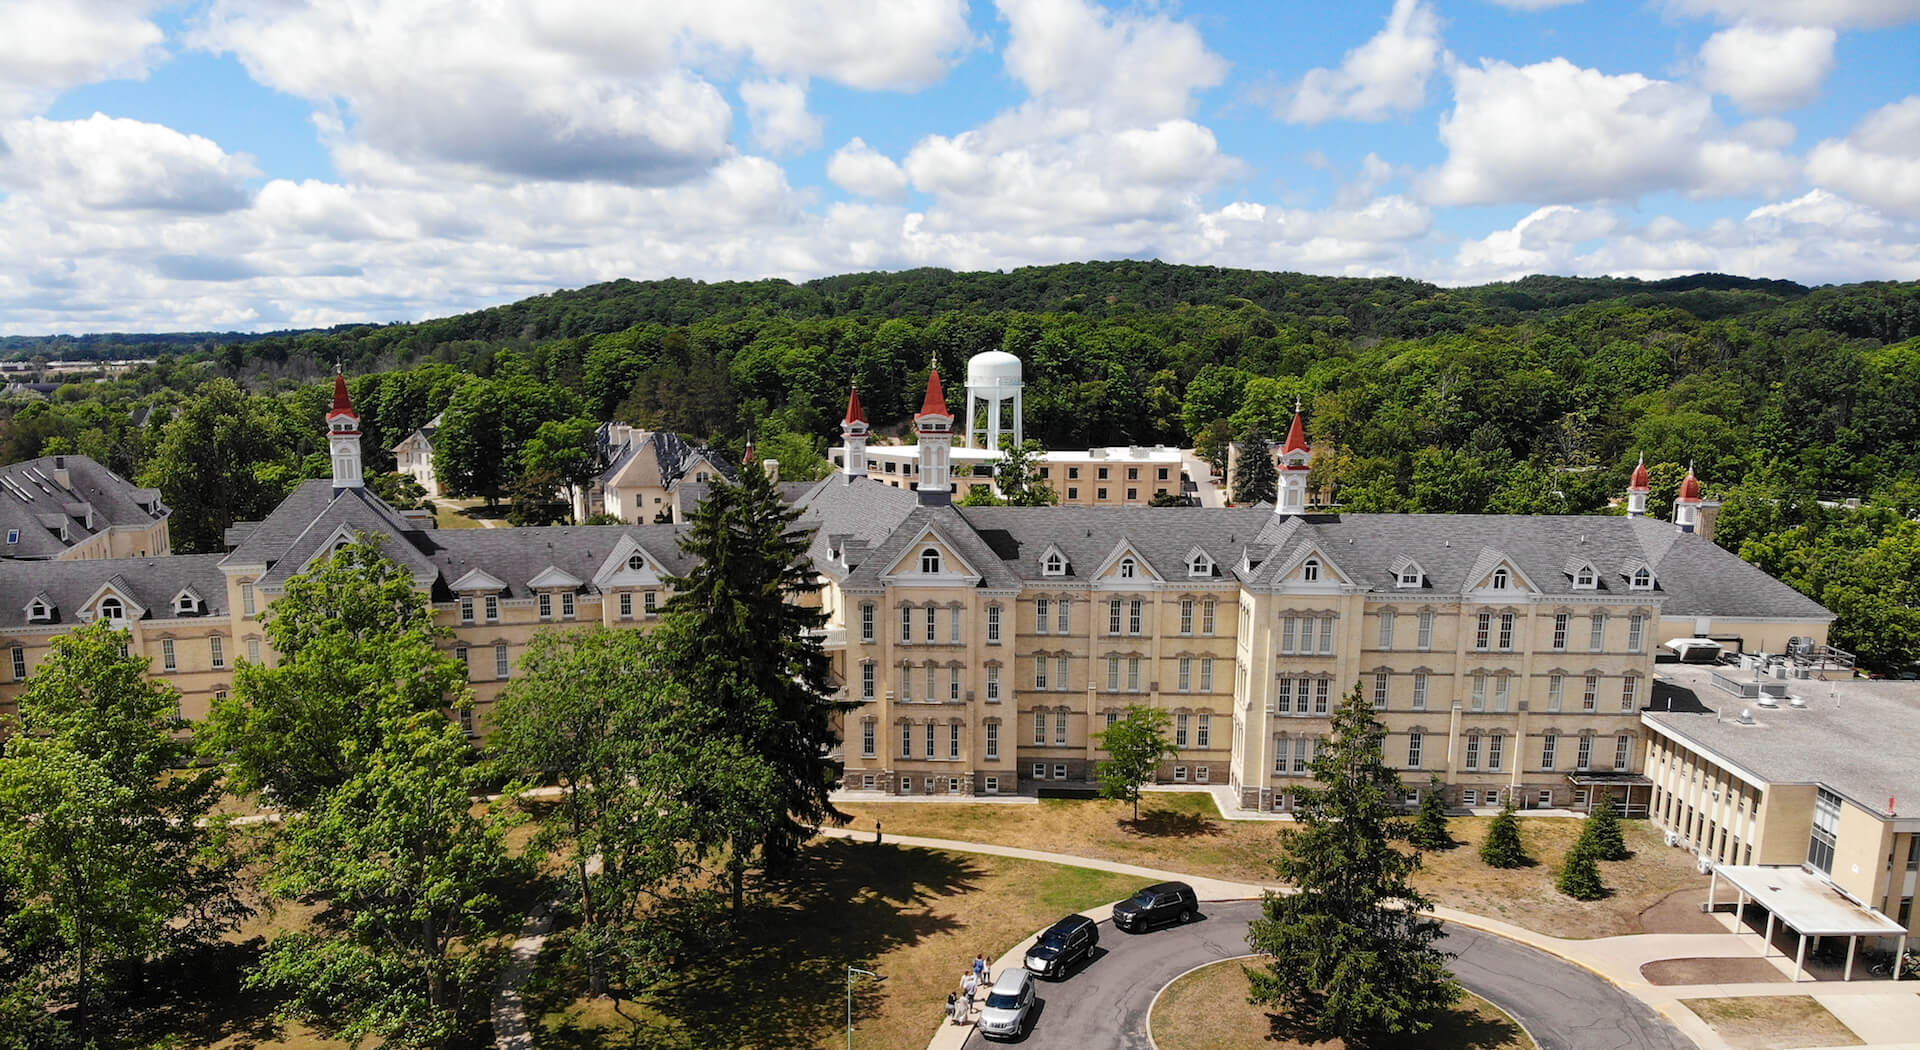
column 1767, row 69
column 778, row 112
column 1078, row 54
column 1385, row 75
column 1533, row 5
column 1554, row 132
column 48, row 48
column 859, row 168
column 1853, row 13
column 114, row 164
column 1879, row 163
column 572, row 91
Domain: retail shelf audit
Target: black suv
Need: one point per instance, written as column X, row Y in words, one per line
column 1064, row 943
column 1157, row 904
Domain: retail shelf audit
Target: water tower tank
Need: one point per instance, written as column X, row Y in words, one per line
column 994, row 368
column 993, row 399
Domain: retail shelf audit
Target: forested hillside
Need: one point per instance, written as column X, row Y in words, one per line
column 1531, row 396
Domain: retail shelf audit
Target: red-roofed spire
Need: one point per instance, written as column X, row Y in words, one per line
column 1641, row 481
column 855, row 414
column 936, row 401
column 342, row 402
column 1690, row 487
column 1297, row 433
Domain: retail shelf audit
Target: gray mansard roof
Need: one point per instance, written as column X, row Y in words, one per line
column 150, row 583
column 94, row 499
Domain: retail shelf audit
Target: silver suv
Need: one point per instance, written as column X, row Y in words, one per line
column 1008, row 1004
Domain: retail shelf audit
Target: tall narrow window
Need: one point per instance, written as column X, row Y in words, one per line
column 868, row 680
column 1286, row 634
column 20, row 663
column 1206, row 617
column 1134, row 609
column 1630, row 693
column 930, row 560
column 866, row 616
column 493, row 608
column 1185, row 675
column 650, row 602
column 933, row 686
column 217, row 649
column 246, row 600
column 1186, row 616
column 1060, row 673
column 1042, row 615
column 1302, row 694
column 993, row 624
column 1326, row 635
column 868, row 742
column 167, row 660
column 466, row 610
column 1322, row 696
column 1133, row 674
column 1386, row 628
column 1113, row 616
column 906, row 744
column 1182, row 723
column 993, row 684
column 466, row 668
column 1203, row 731
column 1502, row 690
column 1560, row 630
column 546, row 605
column 906, row 625
column 1549, row 744
column 1506, row 630
column 1040, row 727
column 1426, row 630
column 1622, row 748
column 1307, row 625
column 1479, row 692
column 1040, row 672
column 253, row 650
column 1420, row 691
column 1473, row 751
column 1483, row 631
column 1597, row 639
column 1113, row 674
column 1556, row 691
column 1283, row 696
column 1064, row 621
column 954, row 619
column 1416, row 742
column 1636, row 632
column 626, row 613
column 1310, row 571
column 1499, row 579
column 1206, row 674
column 993, row 740
column 1496, row 751
column 1826, row 830
column 933, row 625
column 1583, row 755
column 1060, row 728
column 499, row 661
column 1590, row 695
column 953, row 740
column 932, row 731
column 953, row 683
column 1380, row 680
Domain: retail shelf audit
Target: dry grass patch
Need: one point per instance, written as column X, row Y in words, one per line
column 1670, row 972
column 1208, row 1010
column 1772, row 1022
column 1184, row 832
column 916, row 916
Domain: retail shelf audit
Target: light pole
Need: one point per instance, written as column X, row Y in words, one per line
column 851, row 970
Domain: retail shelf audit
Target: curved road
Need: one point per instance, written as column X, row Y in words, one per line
column 1105, row 1003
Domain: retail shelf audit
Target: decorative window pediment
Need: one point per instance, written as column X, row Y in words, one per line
column 931, row 558
column 1125, row 565
column 478, row 581
column 188, row 603
column 553, row 578
column 1054, row 563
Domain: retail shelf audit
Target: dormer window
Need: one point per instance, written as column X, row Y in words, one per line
column 1500, row 579
column 1053, row 565
column 1127, row 566
column 186, row 605
column 1410, row 576
column 1310, row 571
column 636, row 562
column 1641, row 580
column 930, row 561
column 1585, row 579
column 1200, row 565
column 111, row 609
column 39, row 611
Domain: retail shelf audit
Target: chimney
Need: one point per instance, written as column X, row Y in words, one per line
column 772, row 468
column 60, row 475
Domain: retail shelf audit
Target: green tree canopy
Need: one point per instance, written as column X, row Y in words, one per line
column 1017, row 475
column 211, row 465
column 1430, row 827
column 1502, row 847
column 1254, row 478
column 1135, row 746
column 487, row 423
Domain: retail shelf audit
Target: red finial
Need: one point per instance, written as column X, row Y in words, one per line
column 1690, row 488
column 342, row 403
column 936, row 402
column 1296, row 434
column 1641, row 481
column 855, row 414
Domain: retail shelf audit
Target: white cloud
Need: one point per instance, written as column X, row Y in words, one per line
column 1767, row 69
column 1879, row 163
column 859, row 168
column 1854, row 13
column 1077, row 54
column 1385, row 75
column 114, row 164
column 46, row 48
column 778, row 112
column 1554, row 132
column 571, row 90
column 1533, row 5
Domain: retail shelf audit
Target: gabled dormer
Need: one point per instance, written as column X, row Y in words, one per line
column 931, row 560
column 1407, row 574
column 1581, row 574
column 1054, row 562
column 1309, row 568
column 1494, row 574
column 112, row 603
column 189, row 603
column 1125, row 567
column 629, row 565
column 553, row 578
column 40, row 609
column 1200, row 565
column 477, row 581
column 1639, row 576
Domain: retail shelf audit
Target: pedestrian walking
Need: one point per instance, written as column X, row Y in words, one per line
column 970, row 984
column 980, row 968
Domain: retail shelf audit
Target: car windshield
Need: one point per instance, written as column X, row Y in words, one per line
column 1003, row 1001
column 1143, row 899
column 1053, row 938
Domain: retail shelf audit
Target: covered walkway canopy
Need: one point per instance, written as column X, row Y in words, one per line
column 1807, row 904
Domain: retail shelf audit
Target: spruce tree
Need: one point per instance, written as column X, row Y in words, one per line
column 1579, row 876
column 1503, row 848
column 1254, row 478
column 737, row 635
column 1602, row 834
column 1430, row 827
column 1352, row 951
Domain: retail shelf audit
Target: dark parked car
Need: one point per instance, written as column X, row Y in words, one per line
column 1155, row 906
column 1062, row 945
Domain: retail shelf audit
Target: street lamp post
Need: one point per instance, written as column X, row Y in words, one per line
column 851, row 970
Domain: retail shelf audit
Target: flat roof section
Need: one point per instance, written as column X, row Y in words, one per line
column 1857, row 737
column 1806, row 902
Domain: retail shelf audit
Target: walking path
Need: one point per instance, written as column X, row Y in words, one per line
column 510, row 1030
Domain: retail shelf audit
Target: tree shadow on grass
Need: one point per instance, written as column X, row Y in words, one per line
column 778, row 982
column 198, row 997
column 1171, row 823
column 1461, row 1028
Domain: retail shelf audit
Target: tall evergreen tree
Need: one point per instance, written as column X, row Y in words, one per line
column 1254, row 478
column 736, row 634
column 108, row 849
column 1503, row 848
column 1430, row 827
column 1352, row 950
column 1602, row 834
column 1579, row 875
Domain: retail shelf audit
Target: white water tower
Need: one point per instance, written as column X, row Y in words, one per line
column 993, row 399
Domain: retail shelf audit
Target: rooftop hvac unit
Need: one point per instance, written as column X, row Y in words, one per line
column 1776, row 690
column 1798, row 701
column 1768, row 700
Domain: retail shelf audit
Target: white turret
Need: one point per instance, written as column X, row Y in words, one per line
column 343, row 436
column 1637, row 490
column 1296, row 460
column 853, row 432
column 934, row 426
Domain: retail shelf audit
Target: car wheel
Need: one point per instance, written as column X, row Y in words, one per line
column 1186, row 916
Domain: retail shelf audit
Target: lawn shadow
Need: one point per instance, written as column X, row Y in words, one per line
column 1173, row 823
column 198, row 997
column 778, row 981
column 1460, row 1028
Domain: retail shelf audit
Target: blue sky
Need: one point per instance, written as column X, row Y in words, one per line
column 232, row 164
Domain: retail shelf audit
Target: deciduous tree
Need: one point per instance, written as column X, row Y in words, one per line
column 210, row 465
column 1135, row 746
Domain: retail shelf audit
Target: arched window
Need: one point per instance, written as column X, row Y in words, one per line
column 1642, row 579
column 1584, row 579
column 1054, row 565
column 1410, row 576
column 930, row 560
column 636, row 562
column 1126, row 568
column 1201, row 565
column 1499, row 579
column 111, row 609
column 1311, row 570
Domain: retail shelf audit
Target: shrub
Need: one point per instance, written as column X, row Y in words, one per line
column 1503, row 848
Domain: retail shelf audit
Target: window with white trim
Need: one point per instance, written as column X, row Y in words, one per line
column 1063, row 624
column 869, row 739
column 993, row 683
column 1636, row 632
column 1133, row 674
column 1113, row 616
column 1506, row 631
column 932, row 735
column 1500, row 579
column 1183, row 676
column 1549, row 748
column 933, row 625
column 1560, row 632
column 1502, row 691
column 1040, row 727
column 1203, row 731
column 253, row 650
column 953, row 740
column 19, row 663
column 1556, row 691
column 1473, row 751
column 906, row 742
column 866, row 617
column 993, row 625
column 1308, row 626
column 1127, row 568
column 650, row 602
column 566, row 605
column 246, row 598
column 933, row 686
column 1583, row 756
column 466, row 669
column 1060, row 728
column 493, row 608
column 1113, row 674
column 1380, row 680
column 1416, row 744
column 930, row 560
column 217, row 651
column 546, row 605
column 906, row 625
column 1186, row 616
column 993, row 742
column 1642, row 580
column 1483, row 632
column 626, row 608
column 1630, row 693
column 953, row 683
column 1039, row 771
column 466, row 610
column 1207, row 616
column 112, row 609
column 499, row 661
column 1597, row 637
column 1590, row 694
column 1409, row 576
column 1206, row 674
column 1584, row 579
column 1419, row 690
column 1310, row 570
column 1200, row 565
column 1182, row 725
column 1060, row 674
column 1479, row 692
column 168, row 662
column 868, row 679
column 1322, row 695
column 1622, row 750
column 1496, row 751
column 1042, row 613
column 1039, row 672
column 1135, row 608
column 1426, row 631
column 1386, row 629
column 1053, row 565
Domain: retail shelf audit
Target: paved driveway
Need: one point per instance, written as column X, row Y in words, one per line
column 1105, row 1004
